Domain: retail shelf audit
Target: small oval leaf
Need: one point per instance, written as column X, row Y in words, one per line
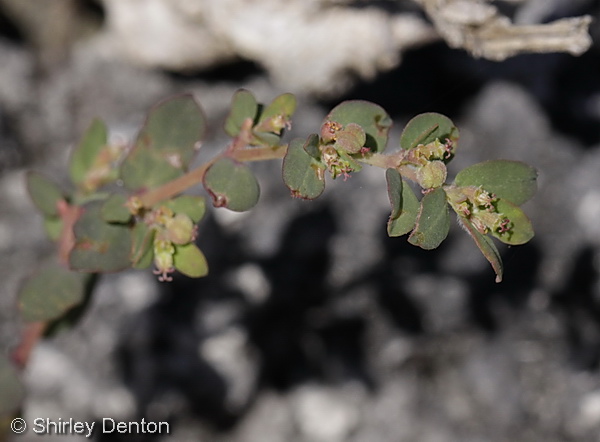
column 520, row 231
column 99, row 246
column 191, row 205
column 190, row 261
column 114, row 209
column 405, row 205
column 371, row 117
column 243, row 106
column 433, row 222
column 425, row 128
column 44, row 193
column 302, row 173
column 166, row 143
column 276, row 115
column 49, row 293
column 511, row 180
column 232, row 185
column 87, row 156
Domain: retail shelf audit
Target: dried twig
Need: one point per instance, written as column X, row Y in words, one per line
column 480, row 29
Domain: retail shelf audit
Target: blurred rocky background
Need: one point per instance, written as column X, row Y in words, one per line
column 313, row 325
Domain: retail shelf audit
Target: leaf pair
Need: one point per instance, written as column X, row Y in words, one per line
column 266, row 123
column 428, row 220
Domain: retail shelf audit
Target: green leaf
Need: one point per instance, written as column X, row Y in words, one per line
column 85, row 157
column 302, row 174
column 44, row 193
column 146, row 169
column 192, row 206
column 49, row 293
column 142, row 251
column 487, row 247
column 405, row 205
column 53, row 227
column 243, row 106
column 425, row 128
column 433, row 221
column 166, row 144
column 232, row 185
column 190, row 261
column 114, row 209
column 174, row 127
column 521, row 230
column 312, row 146
column 277, row 114
column 372, row 118
column 12, row 391
column 99, row 246
column 511, row 180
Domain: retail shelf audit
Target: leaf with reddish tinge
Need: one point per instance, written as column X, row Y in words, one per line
column 433, row 222
column 405, row 205
column 373, row 119
column 487, row 247
column 232, row 185
column 302, row 173
column 243, row 106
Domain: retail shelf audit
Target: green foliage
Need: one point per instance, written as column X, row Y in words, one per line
column 190, row 261
column 426, row 128
column 12, row 392
column 243, row 106
column 44, row 194
column 142, row 239
column 114, row 209
column 511, row 180
column 302, row 173
column 91, row 163
column 373, row 119
column 100, row 227
column 192, row 206
column 405, row 205
column 232, row 185
column 166, row 144
column 99, row 246
column 51, row 292
column 265, row 124
column 99, row 230
column 433, row 221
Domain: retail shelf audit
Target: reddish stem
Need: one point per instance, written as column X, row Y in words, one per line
column 29, row 338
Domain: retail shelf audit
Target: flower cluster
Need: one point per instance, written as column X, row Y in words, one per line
column 480, row 208
column 337, row 145
column 170, row 229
